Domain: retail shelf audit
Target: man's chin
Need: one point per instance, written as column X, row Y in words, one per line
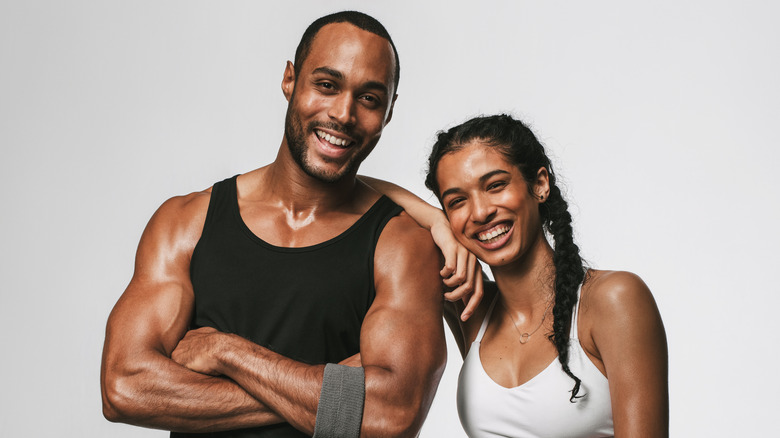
column 324, row 175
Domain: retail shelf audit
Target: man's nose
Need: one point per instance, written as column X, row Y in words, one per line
column 342, row 109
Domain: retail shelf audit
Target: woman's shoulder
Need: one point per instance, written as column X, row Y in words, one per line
column 609, row 297
column 612, row 288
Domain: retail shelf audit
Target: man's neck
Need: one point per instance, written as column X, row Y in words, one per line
column 284, row 183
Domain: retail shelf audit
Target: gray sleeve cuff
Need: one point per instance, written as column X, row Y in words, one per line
column 340, row 409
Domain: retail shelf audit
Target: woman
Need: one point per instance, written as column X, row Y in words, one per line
column 557, row 350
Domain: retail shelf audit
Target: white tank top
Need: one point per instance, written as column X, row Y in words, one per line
column 539, row 408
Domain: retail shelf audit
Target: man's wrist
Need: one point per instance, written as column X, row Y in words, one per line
column 224, row 352
column 340, row 407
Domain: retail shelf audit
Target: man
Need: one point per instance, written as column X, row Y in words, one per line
column 286, row 268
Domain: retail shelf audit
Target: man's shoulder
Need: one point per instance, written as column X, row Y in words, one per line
column 182, row 215
column 186, row 206
column 407, row 263
column 403, row 236
column 405, row 228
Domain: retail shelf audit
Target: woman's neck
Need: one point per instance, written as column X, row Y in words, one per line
column 527, row 282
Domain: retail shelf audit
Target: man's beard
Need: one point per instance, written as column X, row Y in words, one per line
column 296, row 142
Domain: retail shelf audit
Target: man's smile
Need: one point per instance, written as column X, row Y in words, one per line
column 334, row 140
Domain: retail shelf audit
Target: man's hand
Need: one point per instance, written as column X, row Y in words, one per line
column 352, row 361
column 196, row 351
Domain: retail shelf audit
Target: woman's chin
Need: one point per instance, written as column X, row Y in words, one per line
column 495, row 259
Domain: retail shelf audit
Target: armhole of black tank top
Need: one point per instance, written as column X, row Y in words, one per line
column 393, row 210
column 217, row 195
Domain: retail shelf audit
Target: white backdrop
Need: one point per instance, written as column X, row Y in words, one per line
column 661, row 117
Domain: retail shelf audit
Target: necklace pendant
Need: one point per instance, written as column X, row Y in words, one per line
column 524, row 338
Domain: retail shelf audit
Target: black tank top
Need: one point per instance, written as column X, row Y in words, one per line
column 307, row 304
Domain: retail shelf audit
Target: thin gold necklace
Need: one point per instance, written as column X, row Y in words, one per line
column 525, row 335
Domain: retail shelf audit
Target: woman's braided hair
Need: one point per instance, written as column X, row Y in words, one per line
column 521, row 148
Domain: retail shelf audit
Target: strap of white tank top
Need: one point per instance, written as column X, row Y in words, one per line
column 484, row 325
column 575, row 316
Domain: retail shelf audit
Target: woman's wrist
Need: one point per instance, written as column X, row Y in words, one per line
column 438, row 220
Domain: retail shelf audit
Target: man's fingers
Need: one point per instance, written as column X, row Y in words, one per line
column 352, row 361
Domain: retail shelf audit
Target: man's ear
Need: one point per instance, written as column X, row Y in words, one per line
column 390, row 112
column 542, row 185
column 288, row 80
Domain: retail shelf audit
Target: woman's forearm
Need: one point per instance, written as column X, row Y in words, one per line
column 422, row 212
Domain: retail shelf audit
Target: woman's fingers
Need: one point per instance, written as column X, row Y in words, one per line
column 461, row 272
column 472, row 301
column 448, row 245
column 459, row 275
column 470, row 291
column 473, row 276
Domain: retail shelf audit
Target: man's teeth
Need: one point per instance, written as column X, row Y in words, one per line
column 492, row 234
column 331, row 139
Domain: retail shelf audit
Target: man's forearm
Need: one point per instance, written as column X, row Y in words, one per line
column 292, row 389
column 288, row 387
column 164, row 395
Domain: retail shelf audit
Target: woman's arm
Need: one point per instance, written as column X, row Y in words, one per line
column 426, row 215
column 626, row 330
column 461, row 272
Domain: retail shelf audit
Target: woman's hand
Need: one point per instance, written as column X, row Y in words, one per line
column 461, row 272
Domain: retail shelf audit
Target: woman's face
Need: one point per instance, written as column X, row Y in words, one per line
column 488, row 203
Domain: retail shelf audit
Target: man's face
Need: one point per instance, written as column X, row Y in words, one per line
column 340, row 101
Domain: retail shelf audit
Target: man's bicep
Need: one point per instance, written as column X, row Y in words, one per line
column 156, row 308
column 402, row 339
column 149, row 317
column 407, row 311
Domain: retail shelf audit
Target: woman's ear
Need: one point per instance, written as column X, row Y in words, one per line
column 288, row 80
column 542, row 185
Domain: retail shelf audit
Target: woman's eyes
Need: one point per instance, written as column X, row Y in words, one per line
column 496, row 185
column 454, row 202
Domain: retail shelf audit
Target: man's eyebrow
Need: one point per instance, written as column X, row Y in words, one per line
column 482, row 179
column 329, row 71
column 376, row 85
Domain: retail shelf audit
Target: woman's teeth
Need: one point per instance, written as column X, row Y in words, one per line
column 493, row 233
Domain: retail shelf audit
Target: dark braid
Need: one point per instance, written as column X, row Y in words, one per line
column 569, row 274
column 521, row 148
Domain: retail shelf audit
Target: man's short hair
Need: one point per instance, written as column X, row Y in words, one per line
column 357, row 19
